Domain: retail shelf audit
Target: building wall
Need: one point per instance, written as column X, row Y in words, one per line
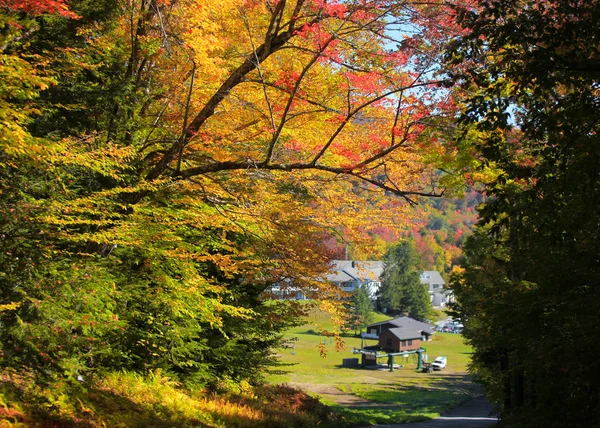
column 388, row 340
column 369, row 360
column 440, row 298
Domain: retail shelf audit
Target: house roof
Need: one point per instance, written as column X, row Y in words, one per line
column 348, row 270
column 406, row 323
column 431, row 277
column 404, row 334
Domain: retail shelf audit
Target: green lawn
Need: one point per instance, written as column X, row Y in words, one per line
column 403, row 395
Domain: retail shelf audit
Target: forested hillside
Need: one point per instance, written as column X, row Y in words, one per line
column 447, row 223
column 439, row 227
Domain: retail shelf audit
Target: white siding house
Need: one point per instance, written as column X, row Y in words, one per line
column 438, row 295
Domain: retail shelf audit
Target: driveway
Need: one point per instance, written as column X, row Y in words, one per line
column 474, row 413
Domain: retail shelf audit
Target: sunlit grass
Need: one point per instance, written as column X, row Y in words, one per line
column 403, row 395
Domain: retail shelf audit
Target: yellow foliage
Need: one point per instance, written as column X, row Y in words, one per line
column 10, row 306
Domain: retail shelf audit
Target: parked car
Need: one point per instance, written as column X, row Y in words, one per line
column 439, row 363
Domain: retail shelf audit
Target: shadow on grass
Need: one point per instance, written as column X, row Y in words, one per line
column 329, row 335
column 451, row 384
column 341, row 366
column 373, row 415
column 280, row 368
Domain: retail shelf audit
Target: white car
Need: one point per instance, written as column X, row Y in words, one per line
column 439, row 363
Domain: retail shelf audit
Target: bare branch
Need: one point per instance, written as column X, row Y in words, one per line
column 258, row 68
column 288, row 105
column 352, row 172
column 357, row 110
column 186, row 114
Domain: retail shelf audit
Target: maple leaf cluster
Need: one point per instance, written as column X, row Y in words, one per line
column 38, row 7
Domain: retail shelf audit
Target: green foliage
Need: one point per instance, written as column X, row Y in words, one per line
column 401, row 289
column 135, row 307
column 529, row 291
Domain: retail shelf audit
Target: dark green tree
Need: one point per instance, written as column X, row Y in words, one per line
column 529, row 293
column 401, row 289
column 361, row 309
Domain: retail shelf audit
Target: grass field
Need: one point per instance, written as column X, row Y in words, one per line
column 364, row 397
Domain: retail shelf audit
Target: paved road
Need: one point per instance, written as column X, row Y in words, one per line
column 474, row 413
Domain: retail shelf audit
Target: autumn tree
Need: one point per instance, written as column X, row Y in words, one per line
column 529, row 289
column 174, row 158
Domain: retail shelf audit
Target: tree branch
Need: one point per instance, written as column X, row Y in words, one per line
column 236, row 77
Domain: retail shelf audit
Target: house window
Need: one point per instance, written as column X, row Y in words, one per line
column 389, row 341
column 404, row 343
column 410, row 343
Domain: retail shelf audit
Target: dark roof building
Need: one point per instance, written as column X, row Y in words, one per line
column 404, row 324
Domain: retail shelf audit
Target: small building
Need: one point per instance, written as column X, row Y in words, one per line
column 399, row 339
column 438, row 294
column 406, row 323
column 369, row 359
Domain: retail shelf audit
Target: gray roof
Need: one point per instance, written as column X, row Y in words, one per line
column 348, row 270
column 431, row 277
column 404, row 334
column 407, row 323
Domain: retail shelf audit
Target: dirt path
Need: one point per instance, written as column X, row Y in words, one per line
column 332, row 393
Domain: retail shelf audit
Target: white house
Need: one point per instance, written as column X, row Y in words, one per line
column 287, row 291
column 349, row 275
column 438, row 295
